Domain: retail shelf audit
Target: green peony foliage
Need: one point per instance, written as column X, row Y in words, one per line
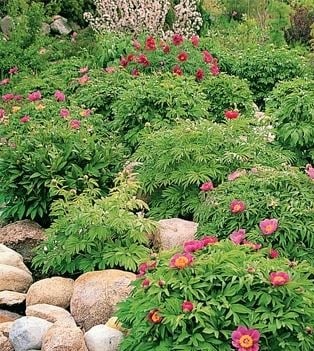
column 217, row 289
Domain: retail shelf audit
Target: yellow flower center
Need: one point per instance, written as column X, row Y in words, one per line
column 155, row 317
column 181, row 262
column 15, row 109
column 237, row 208
column 246, row 341
column 269, row 228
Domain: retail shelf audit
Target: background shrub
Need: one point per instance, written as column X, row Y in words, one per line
column 283, row 194
column 176, row 161
column 91, row 232
column 225, row 286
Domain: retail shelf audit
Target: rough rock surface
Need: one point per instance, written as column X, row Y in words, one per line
column 6, row 24
column 5, row 344
column 27, row 333
column 48, row 312
column 12, row 258
column 11, row 298
column 96, row 294
column 60, row 26
column 174, row 232
column 103, row 338
column 22, row 236
column 61, row 338
column 14, row 279
column 5, row 328
column 7, row 316
column 55, row 291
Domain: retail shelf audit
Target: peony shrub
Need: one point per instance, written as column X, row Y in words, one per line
column 220, row 297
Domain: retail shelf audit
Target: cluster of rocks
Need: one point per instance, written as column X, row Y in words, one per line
column 62, row 314
column 58, row 25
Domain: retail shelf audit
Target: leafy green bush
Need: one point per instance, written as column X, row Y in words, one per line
column 285, row 195
column 36, row 154
column 291, row 104
column 200, row 305
column 175, row 161
column 96, row 233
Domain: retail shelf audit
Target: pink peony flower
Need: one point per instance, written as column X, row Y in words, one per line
column 177, row 39
column 193, row 245
column 237, row 206
column 84, row 70
column 13, row 70
column 5, row 81
column 124, row 61
column 215, row 70
column 2, row 113
column 177, row 70
column 59, row 96
column 143, row 60
column 25, row 119
column 199, row 74
column 195, row 40
column 183, row 56
column 268, row 226
column 309, row 170
column 273, row 253
column 244, row 339
column 84, row 79
column 150, row 44
column 207, row 57
column 237, row 236
column 207, row 186
column 279, row 278
column 209, row 240
column 166, row 49
column 75, row 124
column 64, row 113
column 181, row 261
column 34, row 96
column 8, row 97
column 235, row 175
column 146, row 283
column 136, row 44
column 187, row 306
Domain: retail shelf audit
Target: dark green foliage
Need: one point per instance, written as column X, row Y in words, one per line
column 228, row 286
column 91, row 233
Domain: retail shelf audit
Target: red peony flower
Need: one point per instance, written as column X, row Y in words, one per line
column 232, row 114
column 237, row 206
column 193, row 245
column 181, row 261
column 268, row 226
column 142, row 59
column 199, row 74
column 150, row 44
column 215, row 70
column 64, row 113
column 136, row 44
column 237, row 236
column 154, row 316
column 207, row 57
column 183, row 56
column 124, row 61
column 34, row 96
column 244, row 339
column 273, row 253
column 195, row 40
column 177, row 70
column 75, row 124
column 209, row 240
column 25, row 119
column 279, row 278
column 177, row 39
column 5, row 81
column 135, row 72
column 59, row 96
column 166, row 49
column 187, row 306
column 146, row 283
column 207, row 186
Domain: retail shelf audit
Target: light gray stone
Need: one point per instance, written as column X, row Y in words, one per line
column 61, row 26
column 27, row 333
column 6, row 24
column 103, row 338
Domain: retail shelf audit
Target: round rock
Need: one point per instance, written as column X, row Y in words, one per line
column 11, row 298
column 14, row 279
column 12, row 258
column 103, row 338
column 7, row 316
column 48, row 312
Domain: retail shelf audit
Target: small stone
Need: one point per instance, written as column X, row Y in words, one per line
column 60, row 26
column 14, row 279
column 45, row 28
column 48, row 312
column 5, row 344
column 6, row 25
column 7, row 316
column 27, row 333
column 103, row 338
column 55, row 291
column 11, row 298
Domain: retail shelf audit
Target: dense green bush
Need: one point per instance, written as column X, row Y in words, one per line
column 90, row 232
column 176, row 161
column 196, row 302
column 35, row 155
column 291, row 104
column 285, row 195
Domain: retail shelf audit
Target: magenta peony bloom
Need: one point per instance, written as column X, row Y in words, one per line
column 177, row 70
column 166, row 49
column 59, row 96
column 193, row 245
column 13, row 70
column 199, row 74
column 209, row 240
column 143, row 60
column 183, row 56
column 236, row 174
column 181, row 261
column 8, row 97
column 195, row 40
column 34, row 96
column 309, row 170
column 146, row 283
column 187, row 306
column 279, row 278
column 207, row 57
column 268, row 226
column 237, row 236
column 237, row 206
column 124, row 61
column 150, row 44
column 244, row 339
column 2, row 113
column 215, row 70
column 5, row 81
column 75, row 124
column 64, row 113
column 273, row 253
column 25, row 119
column 207, row 186
column 135, row 72
column 177, row 39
